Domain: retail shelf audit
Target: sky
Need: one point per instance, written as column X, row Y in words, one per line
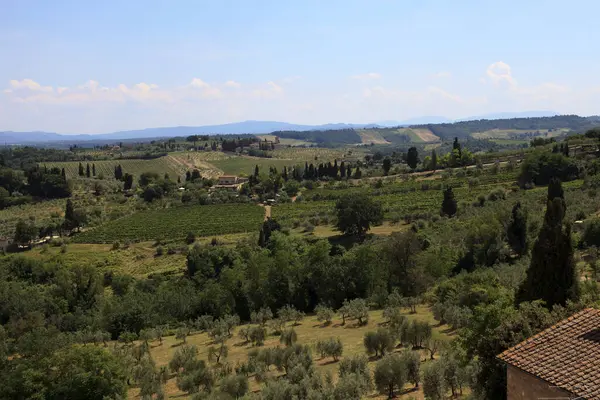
column 103, row 66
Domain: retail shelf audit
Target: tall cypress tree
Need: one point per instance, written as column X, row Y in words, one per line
column 87, row 170
column 81, row 173
column 552, row 275
column 517, row 230
column 449, row 206
column 93, row 169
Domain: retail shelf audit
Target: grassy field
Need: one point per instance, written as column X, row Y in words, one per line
column 176, row 222
column 309, row 331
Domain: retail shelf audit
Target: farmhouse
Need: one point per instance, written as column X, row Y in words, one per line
column 230, row 182
column 561, row 362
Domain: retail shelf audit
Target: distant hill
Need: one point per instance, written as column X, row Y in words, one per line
column 251, row 127
column 509, row 115
column 438, row 126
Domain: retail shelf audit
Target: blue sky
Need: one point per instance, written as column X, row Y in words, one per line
column 100, row 66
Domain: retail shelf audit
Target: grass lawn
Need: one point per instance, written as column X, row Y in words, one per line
column 309, row 331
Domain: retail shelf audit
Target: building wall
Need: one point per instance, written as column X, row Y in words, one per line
column 523, row 386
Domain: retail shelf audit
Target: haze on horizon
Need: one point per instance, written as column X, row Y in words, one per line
column 92, row 67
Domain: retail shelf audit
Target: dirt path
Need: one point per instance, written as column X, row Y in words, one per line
column 267, row 212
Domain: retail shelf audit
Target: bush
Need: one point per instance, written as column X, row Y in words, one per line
column 160, row 251
column 591, row 235
column 190, row 238
column 116, row 245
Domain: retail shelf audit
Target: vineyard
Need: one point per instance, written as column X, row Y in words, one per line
column 135, row 167
column 41, row 213
column 177, row 222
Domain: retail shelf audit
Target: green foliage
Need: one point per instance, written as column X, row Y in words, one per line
column 412, row 157
column 356, row 214
column 378, row 343
column 324, row 314
column 288, row 337
column 331, row 347
column 540, row 167
column 517, row 230
column 390, row 374
column 552, row 275
column 235, row 386
column 434, row 385
column 449, row 206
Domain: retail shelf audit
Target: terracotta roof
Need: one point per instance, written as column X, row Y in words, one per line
column 566, row 355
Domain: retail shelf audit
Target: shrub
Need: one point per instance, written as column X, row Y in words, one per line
column 159, row 251
column 258, row 335
column 116, row 245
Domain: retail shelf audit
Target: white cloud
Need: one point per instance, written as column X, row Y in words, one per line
column 501, row 73
column 30, row 85
column 199, row 83
column 367, row 76
column 233, row 84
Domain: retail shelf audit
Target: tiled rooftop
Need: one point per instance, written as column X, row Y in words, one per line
column 566, row 355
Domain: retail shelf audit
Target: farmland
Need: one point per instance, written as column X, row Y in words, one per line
column 136, row 167
column 175, row 223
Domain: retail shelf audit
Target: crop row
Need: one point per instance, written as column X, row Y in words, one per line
column 177, row 222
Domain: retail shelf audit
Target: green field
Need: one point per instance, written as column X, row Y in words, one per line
column 175, row 223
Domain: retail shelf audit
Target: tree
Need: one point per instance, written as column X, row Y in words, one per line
column 128, row 179
column 261, row 316
column 434, row 387
column 387, row 164
column 324, row 314
column 76, row 374
column 390, row 374
column 215, row 354
column 331, row 347
column 25, row 233
column 87, row 171
column 412, row 366
column 434, row 161
column 357, row 366
column 412, row 157
column 288, row 337
column 118, row 172
column 517, row 230
column 235, row 386
column 356, row 214
column 74, row 219
column 456, row 146
column 552, row 275
column 379, row 342
column 81, row 172
column 190, row 238
column 449, row 206
column 93, row 169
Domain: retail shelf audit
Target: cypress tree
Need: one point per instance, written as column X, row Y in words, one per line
column 449, row 206
column 94, row 169
column 63, row 174
column 81, row 173
column 87, row 170
column 552, row 275
column 433, row 160
column 517, row 230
